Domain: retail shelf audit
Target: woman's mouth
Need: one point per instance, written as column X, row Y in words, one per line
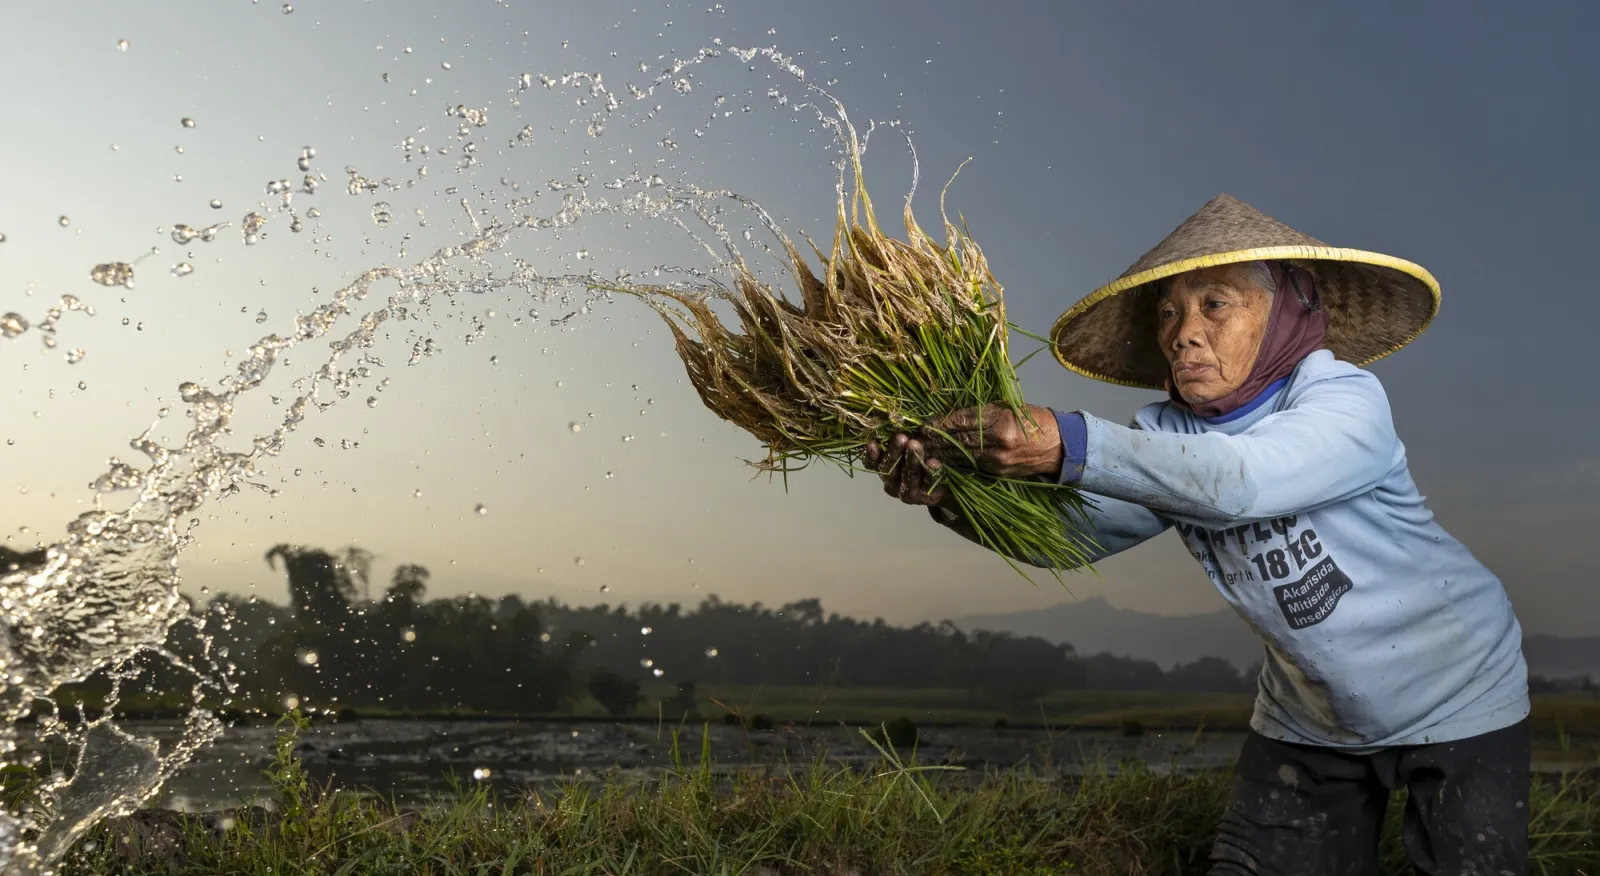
column 1189, row 370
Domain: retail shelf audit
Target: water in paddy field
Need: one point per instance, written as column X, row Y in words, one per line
column 108, row 590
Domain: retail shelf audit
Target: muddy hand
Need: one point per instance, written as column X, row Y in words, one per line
column 906, row 472
column 996, row 441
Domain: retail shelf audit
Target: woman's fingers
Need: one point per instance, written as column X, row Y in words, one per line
column 911, row 473
column 894, row 452
column 882, row 459
column 939, row 495
column 918, row 475
column 906, row 469
column 889, row 465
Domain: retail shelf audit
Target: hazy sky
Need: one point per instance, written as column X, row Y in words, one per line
column 1458, row 135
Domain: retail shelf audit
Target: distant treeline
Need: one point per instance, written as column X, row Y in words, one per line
column 335, row 643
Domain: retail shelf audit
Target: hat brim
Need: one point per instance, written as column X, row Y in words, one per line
column 1123, row 367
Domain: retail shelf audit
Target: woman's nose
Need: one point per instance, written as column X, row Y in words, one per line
column 1186, row 333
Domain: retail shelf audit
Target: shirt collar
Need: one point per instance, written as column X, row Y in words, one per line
column 1266, row 395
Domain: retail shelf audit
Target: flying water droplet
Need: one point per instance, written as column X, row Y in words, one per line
column 122, row 45
column 74, row 356
column 183, row 234
column 113, row 274
column 577, row 561
column 711, row 652
column 644, row 631
column 252, row 224
column 481, row 510
column 12, row 324
column 381, row 214
column 182, row 269
column 64, row 221
column 574, row 425
column 188, row 123
column 216, row 203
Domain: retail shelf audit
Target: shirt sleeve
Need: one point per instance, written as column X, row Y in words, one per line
column 1336, row 440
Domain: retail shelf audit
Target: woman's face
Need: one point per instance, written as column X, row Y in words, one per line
column 1210, row 326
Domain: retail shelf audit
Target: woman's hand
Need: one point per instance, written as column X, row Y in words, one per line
column 992, row 437
column 996, row 440
column 906, row 471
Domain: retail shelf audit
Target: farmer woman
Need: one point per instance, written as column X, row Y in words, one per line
column 1393, row 658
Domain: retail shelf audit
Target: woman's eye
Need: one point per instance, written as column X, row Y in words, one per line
column 1216, row 303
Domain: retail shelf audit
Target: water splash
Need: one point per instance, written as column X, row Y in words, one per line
column 108, row 591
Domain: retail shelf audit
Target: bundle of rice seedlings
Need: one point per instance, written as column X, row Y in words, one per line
column 895, row 334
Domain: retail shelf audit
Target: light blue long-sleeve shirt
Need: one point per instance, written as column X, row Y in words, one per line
column 1380, row 628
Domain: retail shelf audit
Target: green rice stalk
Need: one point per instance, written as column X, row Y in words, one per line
column 893, row 335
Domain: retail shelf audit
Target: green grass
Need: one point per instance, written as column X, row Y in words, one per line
column 818, row 818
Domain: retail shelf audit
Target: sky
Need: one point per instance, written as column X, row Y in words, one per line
column 1457, row 135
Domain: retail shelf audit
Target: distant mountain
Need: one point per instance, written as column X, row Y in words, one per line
column 1094, row 626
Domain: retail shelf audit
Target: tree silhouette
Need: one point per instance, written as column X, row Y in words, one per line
column 617, row 695
column 320, row 586
column 408, row 586
column 1206, row 675
column 331, row 646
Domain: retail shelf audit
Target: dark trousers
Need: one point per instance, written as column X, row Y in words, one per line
column 1299, row 810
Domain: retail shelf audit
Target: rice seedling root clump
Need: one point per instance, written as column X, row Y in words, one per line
column 892, row 336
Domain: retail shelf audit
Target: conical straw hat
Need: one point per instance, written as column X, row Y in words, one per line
column 1376, row 303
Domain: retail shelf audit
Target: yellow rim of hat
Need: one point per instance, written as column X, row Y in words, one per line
column 1263, row 253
